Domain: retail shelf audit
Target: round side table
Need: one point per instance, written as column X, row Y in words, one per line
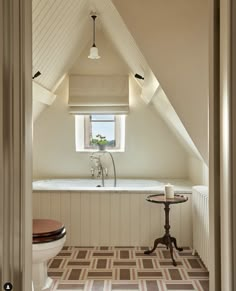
column 167, row 239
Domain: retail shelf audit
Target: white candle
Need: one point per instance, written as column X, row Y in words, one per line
column 169, row 191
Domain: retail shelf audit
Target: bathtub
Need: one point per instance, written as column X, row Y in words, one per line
column 140, row 185
column 112, row 216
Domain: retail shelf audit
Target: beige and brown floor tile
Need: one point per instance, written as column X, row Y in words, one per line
column 107, row 268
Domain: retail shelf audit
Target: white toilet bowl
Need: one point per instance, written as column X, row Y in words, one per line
column 48, row 239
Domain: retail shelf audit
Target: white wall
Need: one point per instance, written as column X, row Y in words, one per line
column 198, row 171
column 162, row 104
column 173, row 37
column 151, row 149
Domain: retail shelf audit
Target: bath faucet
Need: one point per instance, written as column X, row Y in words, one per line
column 92, row 172
column 101, row 171
column 106, row 172
column 99, row 168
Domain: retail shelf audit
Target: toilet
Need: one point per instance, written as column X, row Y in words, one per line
column 49, row 237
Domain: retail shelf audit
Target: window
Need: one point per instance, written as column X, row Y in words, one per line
column 108, row 125
column 105, row 125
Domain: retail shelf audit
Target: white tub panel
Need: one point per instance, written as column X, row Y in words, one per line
column 85, row 216
column 65, row 212
column 156, row 227
column 144, row 220
column 134, row 219
column 75, row 219
column 105, row 214
column 55, row 206
column 175, row 219
column 115, row 228
column 109, row 218
column 45, row 205
column 125, row 219
column 95, row 218
column 36, row 205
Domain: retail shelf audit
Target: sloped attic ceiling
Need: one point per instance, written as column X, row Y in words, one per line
column 60, row 31
column 63, row 28
column 173, row 36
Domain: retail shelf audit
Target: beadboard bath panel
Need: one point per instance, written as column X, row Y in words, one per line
column 112, row 218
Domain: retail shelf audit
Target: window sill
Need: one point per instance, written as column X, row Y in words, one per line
column 94, row 150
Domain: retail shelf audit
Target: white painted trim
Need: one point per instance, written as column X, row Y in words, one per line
column 59, row 82
column 150, row 86
column 43, row 95
column 233, row 122
column 214, row 149
column 225, row 146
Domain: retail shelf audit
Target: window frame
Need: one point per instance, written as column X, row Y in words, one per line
column 87, row 132
column 82, row 134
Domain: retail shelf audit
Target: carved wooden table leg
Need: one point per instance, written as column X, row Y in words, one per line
column 166, row 239
column 156, row 242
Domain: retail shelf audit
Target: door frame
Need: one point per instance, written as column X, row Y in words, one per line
column 16, row 143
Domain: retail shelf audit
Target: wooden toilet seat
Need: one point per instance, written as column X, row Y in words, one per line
column 47, row 230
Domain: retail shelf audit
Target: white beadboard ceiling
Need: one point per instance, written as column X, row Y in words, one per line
column 62, row 29
column 60, row 32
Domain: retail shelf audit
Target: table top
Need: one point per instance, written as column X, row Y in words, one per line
column 160, row 198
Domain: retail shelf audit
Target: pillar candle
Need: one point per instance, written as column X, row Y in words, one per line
column 169, row 191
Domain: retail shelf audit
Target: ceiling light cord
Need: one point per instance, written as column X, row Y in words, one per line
column 94, row 18
column 94, row 50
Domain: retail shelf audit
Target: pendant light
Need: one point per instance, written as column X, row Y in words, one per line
column 94, row 50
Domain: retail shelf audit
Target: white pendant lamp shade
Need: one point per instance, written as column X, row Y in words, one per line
column 94, row 53
column 94, row 50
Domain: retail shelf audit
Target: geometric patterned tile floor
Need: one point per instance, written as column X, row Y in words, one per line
column 126, row 268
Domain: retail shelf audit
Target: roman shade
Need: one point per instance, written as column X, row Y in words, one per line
column 98, row 94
